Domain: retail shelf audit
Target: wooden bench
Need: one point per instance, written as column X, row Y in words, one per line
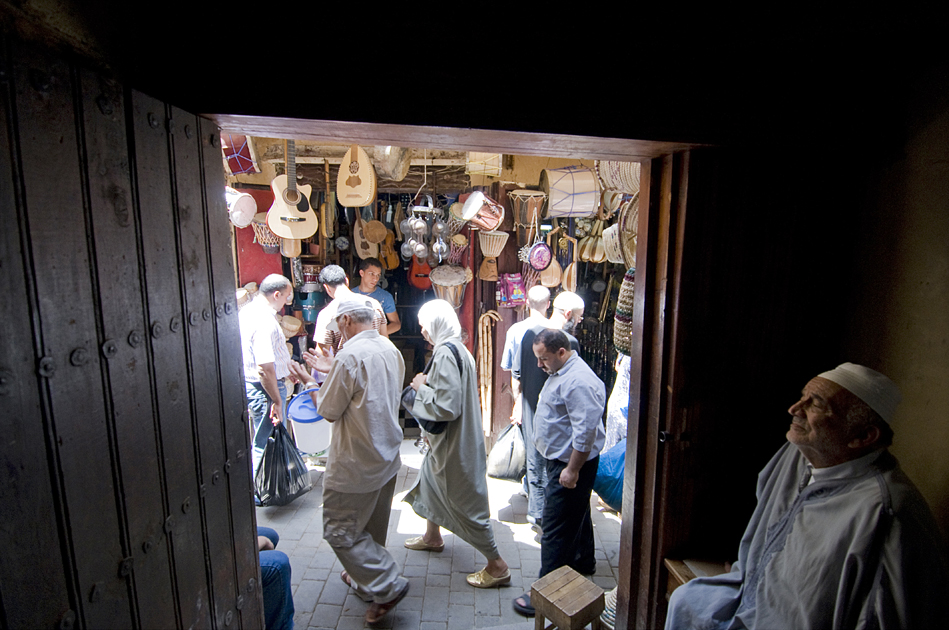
column 567, row 599
column 681, row 571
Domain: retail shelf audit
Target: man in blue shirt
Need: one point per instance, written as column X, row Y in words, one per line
column 370, row 273
column 569, row 434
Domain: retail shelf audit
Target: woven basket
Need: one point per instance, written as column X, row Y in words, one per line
column 291, row 325
column 622, row 176
column 629, row 225
column 623, row 320
column 612, row 245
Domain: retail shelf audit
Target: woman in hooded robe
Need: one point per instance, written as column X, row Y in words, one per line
column 451, row 491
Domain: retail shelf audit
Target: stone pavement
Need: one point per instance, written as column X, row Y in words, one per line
column 439, row 597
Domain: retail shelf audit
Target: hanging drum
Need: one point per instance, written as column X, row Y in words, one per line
column 482, row 212
column 572, row 191
column 492, row 244
column 265, row 237
column 526, row 205
column 241, row 207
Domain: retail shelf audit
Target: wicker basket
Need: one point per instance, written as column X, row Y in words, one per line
column 612, row 245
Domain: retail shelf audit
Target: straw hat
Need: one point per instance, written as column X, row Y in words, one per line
column 291, row 326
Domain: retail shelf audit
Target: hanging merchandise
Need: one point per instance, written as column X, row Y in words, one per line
column 241, row 207
column 449, row 283
column 239, row 154
column 572, row 191
column 550, row 277
column 482, row 212
column 263, row 234
column 611, row 244
column 623, row 319
column 492, row 244
column 457, row 248
column 356, row 179
column 486, row 367
column 621, row 176
column 511, row 293
column 569, row 279
column 629, row 226
column 290, row 215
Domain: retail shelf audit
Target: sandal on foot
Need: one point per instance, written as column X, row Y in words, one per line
column 525, row 609
column 483, row 579
column 418, row 544
column 348, row 582
column 376, row 612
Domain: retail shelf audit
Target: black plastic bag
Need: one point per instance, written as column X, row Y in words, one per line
column 508, row 458
column 282, row 475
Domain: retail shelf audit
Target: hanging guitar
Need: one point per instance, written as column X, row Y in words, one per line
column 419, row 274
column 290, row 216
column 356, row 180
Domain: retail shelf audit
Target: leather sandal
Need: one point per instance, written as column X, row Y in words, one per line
column 483, row 579
column 377, row 612
column 344, row 576
column 418, row 544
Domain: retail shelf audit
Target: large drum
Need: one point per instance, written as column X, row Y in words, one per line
column 527, row 205
column 572, row 191
column 449, row 283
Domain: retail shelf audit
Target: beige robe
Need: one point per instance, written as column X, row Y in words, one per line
column 452, row 490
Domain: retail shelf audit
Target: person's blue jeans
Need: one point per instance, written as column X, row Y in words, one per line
column 568, row 528
column 258, row 407
column 275, row 582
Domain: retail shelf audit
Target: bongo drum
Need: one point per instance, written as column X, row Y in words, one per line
column 241, row 207
column 449, row 283
column 265, row 237
column 526, row 205
column 482, row 212
column 572, row 191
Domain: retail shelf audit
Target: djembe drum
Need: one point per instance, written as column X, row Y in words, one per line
column 492, row 244
column 449, row 283
column 265, row 236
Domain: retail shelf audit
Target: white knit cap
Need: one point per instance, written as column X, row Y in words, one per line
column 873, row 388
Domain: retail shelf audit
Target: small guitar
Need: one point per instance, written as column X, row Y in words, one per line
column 419, row 274
column 356, row 180
column 363, row 247
column 290, row 215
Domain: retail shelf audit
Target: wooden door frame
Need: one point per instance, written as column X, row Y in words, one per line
column 663, row 194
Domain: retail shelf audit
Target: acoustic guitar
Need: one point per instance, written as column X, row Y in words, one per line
column 356, row 180
column 290, row 216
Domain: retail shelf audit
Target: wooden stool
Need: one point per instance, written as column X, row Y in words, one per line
column 567, row 599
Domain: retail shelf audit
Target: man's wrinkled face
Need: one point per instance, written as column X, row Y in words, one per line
column 818, row 423
column 370, row 277
column 549, row 361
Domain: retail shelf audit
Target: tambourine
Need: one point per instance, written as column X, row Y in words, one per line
column 482, row 212
column 540, row 256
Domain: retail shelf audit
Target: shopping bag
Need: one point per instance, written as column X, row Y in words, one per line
column 508, row 459
column 282, row 475
column 608, row 484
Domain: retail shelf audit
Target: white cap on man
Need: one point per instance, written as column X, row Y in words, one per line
column 348, row 305
column 873, row 388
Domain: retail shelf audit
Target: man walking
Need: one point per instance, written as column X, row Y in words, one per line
column 266, row 358
column 568, row 433
column 360, row 396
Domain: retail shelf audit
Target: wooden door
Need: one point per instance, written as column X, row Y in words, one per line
column 127, row 490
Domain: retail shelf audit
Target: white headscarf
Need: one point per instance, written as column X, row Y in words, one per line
column 440, row 320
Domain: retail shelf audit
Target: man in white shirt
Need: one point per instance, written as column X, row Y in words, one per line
column 266, row 358
column 361, row 396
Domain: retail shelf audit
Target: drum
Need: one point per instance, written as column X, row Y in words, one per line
column 526, row 205
column 572, row 191
column 482, row 212
column 265, row 237
column 449, row 282
column 241, row 207
column 492, row 243
column 238, row 154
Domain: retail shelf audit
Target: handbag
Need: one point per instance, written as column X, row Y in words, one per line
column 408, row 397
column 508, row 457
column 282, row 475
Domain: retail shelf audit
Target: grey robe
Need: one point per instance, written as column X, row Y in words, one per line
column 452, row 490
column 860, row 550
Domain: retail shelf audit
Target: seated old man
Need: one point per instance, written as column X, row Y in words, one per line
column 840, row 538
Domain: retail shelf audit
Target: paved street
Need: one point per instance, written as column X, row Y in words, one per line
column 439, row 597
